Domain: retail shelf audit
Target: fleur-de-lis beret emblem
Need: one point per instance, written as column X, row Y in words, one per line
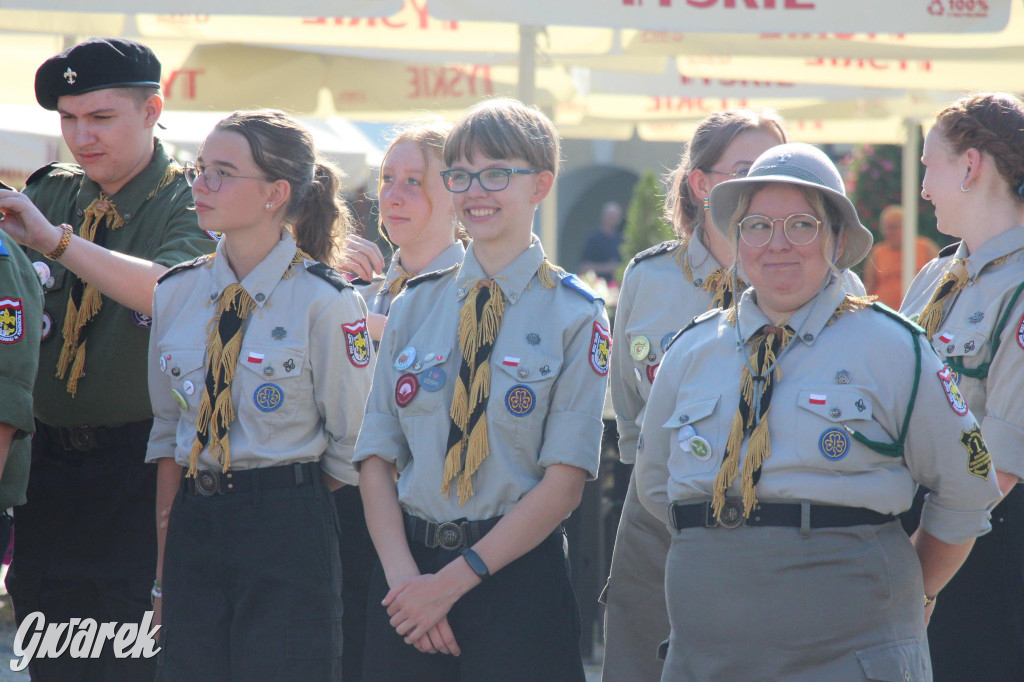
column 70, row 76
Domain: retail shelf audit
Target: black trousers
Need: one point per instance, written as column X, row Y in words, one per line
column 252, row 587
column 86, row 546
column 358, row 557
column 521, row 624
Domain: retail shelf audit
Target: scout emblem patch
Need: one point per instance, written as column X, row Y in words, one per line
column 12, row 321
column 978, row 460
column 141, row 320
column 533, row 338
column 47, row 325
column 289, row 365
column 953, row 395
column 357, row 343
column 520, row 400
column 267, row 397
column 834, row 444
column 977, row 317
column 406, row 389
column 842, row 377
column 639, row 348
column 405, row 359
column 1020, row 332
column 433, row 379
column 600, row 349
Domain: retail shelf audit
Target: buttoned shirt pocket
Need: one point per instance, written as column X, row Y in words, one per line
column 697, row 436
column 425, row 381
column 185, row 369
column 958, row 340
column 275, row 381
column 521, row 388
column 827, row 416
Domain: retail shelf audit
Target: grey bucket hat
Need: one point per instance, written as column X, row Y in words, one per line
column 795, row 163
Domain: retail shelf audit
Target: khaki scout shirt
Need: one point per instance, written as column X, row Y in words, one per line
column 551, row 347
column 303, row 372
column 832, row 376
column 378, row 298
column 21, row 319
column 160, row 228
column 656, row 301
column 969, row 331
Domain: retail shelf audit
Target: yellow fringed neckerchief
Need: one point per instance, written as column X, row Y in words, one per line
column 224, row 343
column 85, row 301
column 952, row 283
column 479, row 324
column 718, row 283
column 751, row 418
column 395, row 286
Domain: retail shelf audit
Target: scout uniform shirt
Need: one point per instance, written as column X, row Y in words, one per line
column 659, row 296
column 158, row 226
column 548, row 372
column 834, row 378
column 983, row 328
column 21, row 315
column 377, row 293
column 303, row 371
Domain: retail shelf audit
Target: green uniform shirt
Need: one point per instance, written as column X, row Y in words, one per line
column 158, row 226
column 21, row 310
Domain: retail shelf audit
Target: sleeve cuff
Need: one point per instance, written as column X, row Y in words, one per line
column 381, row 435
column 337, row 462
column 16, row 409
column 953, row 527
column 573, row 438
column 1005, row 443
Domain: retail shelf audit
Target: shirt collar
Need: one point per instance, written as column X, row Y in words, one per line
column 259, row 283
column 452, row 255
column 702, row 261
column 997, row 247
column 129, row 199
column 807, row 321
column 513, row 279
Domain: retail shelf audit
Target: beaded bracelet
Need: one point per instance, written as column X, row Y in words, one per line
column 62, row 245
column 156, row 593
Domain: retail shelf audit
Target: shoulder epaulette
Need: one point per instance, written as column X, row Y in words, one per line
column 949, row 250
column 428, row 276
column 327, row 274
column 655, row 250
column 576, row 284
column 359, row 282
column 903, row 320
column 187, row 265
column 49, row 168
column 693, row 323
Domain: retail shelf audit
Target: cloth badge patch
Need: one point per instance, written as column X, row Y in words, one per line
column 12, row 321
column 834, row 444
column 520, row 400
column 433, row 379
column 817, row 398
column 406, row 389
column 979, row 462
column 47, row 325
column 268, row 397
column 600, row 349
column 1020, row 332
column 141, row 320
column 255, row 358
column 953, row 394
column 357, row 342
column 652, row 372
column 945, row 337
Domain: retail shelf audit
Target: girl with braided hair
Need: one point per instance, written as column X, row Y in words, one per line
column 969, row 301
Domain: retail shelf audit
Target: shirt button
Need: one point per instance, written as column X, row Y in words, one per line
column 808, row 337
column 513, row 297
column 699, row 282
column 268, row 371
column 175, row 371
column 683, row 418
column 213, row 296
column 835, row 412
column 462, row 292
column 79, row 213
column 523, row 373
column 260, row 298
column 128, row 215
column 417, row 367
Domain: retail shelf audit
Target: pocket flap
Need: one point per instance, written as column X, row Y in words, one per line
column 179, row 361
column 959, row 341
column 836, row 405
column 528, row 368
column 272, row 362
column 901, row 661
column 691, row 411
column 431, row 359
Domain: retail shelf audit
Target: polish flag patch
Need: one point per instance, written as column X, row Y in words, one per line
column 946, row 337
column 817, row 399
column 255, row 358
column 510, row 361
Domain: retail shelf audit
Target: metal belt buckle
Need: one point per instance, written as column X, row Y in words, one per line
column 82, row 438
column 449, row 536
column 732, row 514
column 207, row 483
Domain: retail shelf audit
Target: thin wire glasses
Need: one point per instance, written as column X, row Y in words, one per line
column 214, row 177
column 738, row 173
column 491, row 179
column 800, row 229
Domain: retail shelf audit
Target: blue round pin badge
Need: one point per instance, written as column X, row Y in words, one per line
column 267, row 397
column 667, row 339
column 520, row 400
column 433, row 379
column 834, row 444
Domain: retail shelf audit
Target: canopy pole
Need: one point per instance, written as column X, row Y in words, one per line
column 527, row 94
column 911, row 190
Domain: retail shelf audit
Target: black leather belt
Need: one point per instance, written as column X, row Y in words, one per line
column 208, row 483
column 790, row 515
column 88, row 438
column 449, row 535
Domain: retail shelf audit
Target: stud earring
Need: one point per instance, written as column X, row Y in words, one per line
column 707, row 203
column 966, row 177
column 268, row 206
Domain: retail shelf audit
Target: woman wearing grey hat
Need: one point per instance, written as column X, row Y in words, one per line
column 781, row 438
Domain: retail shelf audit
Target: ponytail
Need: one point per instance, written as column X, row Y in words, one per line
column 322, row 219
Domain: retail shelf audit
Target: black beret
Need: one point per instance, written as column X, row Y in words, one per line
column 96, row 64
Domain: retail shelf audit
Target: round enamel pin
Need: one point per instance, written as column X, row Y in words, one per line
column 163, row 364
column 178, row 398
column 189, row 387
column 666, row 340
column 405, row 359
column 700, row 448
column 141, row 320
column 834, row 444
column 520, row 400
column 683, row 437
column 433, row 379
column 47, row 326
column 406, row 389
column 639, row 348
column 267, row 397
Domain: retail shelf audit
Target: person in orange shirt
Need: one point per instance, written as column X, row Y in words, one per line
column 883, row 269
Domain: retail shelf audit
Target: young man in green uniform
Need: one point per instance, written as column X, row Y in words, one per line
column 107, row 227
